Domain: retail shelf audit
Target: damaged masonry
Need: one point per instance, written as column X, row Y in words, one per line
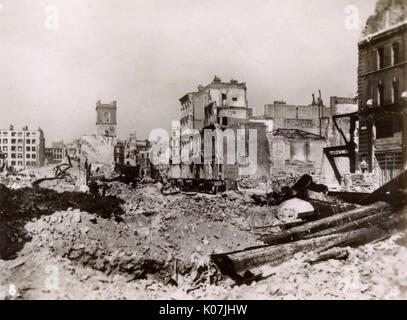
column 302, row 201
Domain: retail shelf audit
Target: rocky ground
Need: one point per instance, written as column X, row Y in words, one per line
column 135, row 243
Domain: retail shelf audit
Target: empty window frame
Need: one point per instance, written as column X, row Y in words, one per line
column 380, row 94
column 380, row 58
column 395, row 54
column 395, row 93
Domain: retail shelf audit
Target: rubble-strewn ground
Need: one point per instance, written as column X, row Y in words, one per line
column 133, row 243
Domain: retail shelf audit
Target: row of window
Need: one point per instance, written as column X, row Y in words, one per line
column 395, row 56
column 14, row 148
column 395, row 92
column 54, row 156
column 20, row 155
column 19, row 134
column 20, row 163
column 19, row 141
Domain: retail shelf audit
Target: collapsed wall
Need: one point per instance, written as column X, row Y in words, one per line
column 98, row 150
column 387, row 14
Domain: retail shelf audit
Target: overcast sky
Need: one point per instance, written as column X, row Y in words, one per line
column 147, row 54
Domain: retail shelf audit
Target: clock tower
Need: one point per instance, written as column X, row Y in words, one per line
column 106, row 119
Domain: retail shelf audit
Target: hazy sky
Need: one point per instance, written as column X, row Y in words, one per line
column 147, row 54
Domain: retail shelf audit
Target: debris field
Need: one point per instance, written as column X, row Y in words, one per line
column 132, row 241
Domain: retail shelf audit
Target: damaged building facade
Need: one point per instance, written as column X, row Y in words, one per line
column 217, row 107
column 22, row 148
column 106, row 118
column 382, row 85
column 99, row 149
column 55, row 153
column 298, row 134
column 135, row 154
column 375, row 140
column 290, row 139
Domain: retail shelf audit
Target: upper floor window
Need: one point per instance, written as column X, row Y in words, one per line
column 395, row 91
column 395, row 56
column 380, row 58
column 380, row 94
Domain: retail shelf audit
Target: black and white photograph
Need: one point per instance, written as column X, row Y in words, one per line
column 196, row 150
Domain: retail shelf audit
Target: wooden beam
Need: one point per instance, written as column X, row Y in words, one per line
column 300, row 232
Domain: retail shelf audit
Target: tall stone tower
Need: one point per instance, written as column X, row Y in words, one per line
column 106, row 119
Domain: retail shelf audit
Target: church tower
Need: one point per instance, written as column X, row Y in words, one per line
column 106, row 119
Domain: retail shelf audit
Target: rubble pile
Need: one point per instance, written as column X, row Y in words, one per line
column 131, row 230
column 360, row 182
column 96, row 242
column 137, row 232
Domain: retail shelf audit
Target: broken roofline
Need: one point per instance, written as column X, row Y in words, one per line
column 382, row 32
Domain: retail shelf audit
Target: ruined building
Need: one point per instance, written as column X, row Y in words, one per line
column 55, row 153
column 99, row 149
column 106, row 119
column 388, row 13
column 218, row 105
column 23, row 148
column 298, row 134
column 382, row 86
column 374, row 137
column 2, row 159
column 119, row 152
column 218, row 102
column 73, row 149
column 289, row 138
column 134, row 152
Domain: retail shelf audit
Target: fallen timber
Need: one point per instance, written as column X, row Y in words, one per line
column 237, row 262
column 299, row 232
column 356, row 224
column 352, row 228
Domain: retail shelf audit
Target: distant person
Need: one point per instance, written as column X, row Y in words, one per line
column 363, row 165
